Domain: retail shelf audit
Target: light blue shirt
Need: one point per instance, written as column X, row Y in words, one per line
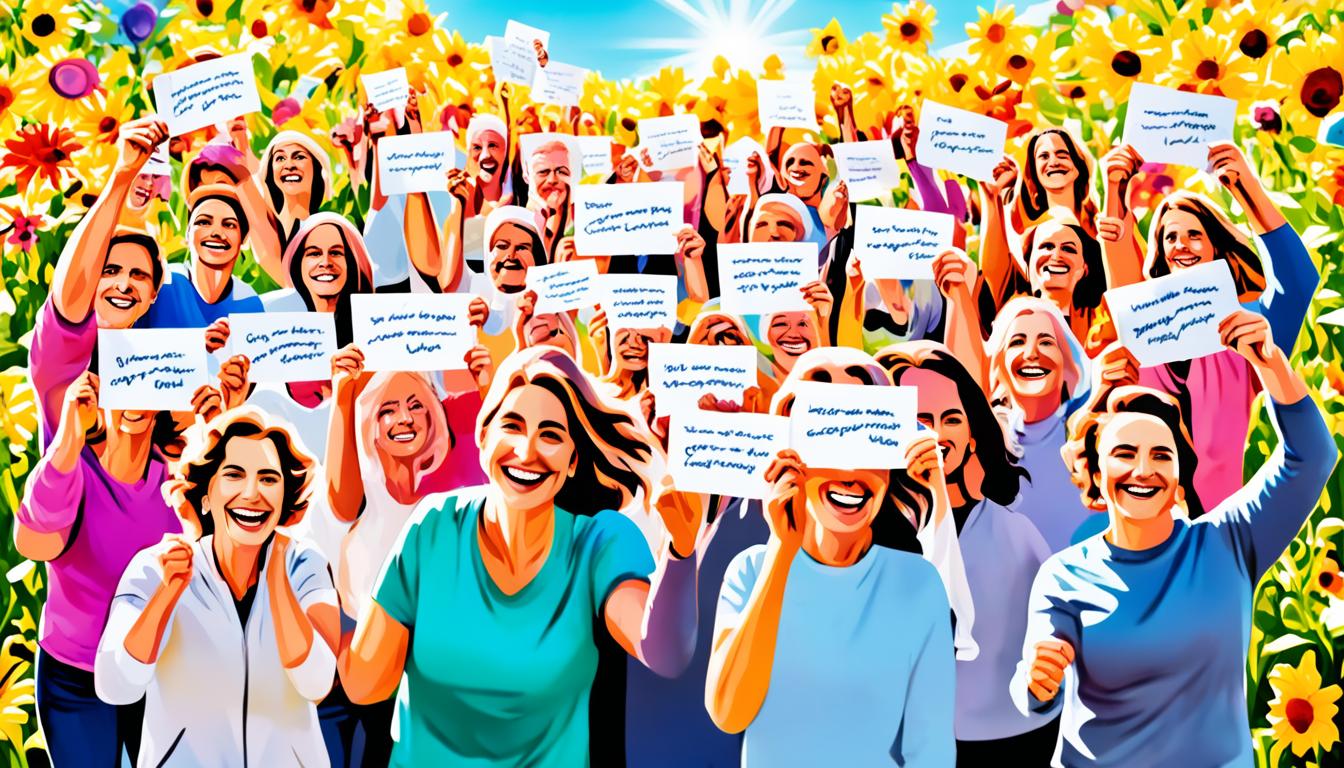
column 1160, row 634
column 863, row 672
column 1050, row 499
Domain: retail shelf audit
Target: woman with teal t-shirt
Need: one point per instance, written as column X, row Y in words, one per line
column 488, row 601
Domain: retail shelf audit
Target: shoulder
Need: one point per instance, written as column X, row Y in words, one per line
column 303, row 556
column 606, row 528
column 441, row 514
column 912, row 572
column 244, row 292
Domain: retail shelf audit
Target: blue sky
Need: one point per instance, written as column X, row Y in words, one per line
column 605, row 35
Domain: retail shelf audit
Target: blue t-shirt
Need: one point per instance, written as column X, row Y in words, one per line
column 495, row 679
column 180, row 305
column 863, row 673
column 1160, row 635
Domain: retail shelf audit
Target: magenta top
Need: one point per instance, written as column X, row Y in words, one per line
column 462, row 467
column 61, row 351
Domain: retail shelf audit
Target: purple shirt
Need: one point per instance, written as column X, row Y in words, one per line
column 109, row 522
column 61, row 351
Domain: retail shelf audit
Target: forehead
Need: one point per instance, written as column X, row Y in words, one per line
column 802, row 152
column 1051, row 142
column 534, row 403
column 790, row 318
column 1032, row 324
column 129, row 256
column 215, row 208
column 1141, row 430
column 324, row 234
column 778, row 212
column 550, row 158
column 1055, row 233
column 487, row 137
column 403, row 386
column 255, row 453
column 1179, row 218
column 289, row 148
column 510, row 232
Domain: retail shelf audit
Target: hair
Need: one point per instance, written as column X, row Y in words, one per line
column 611, row 450
column 1088, row 292
column 366, row 418
column 1229, row 242
column 357, row 279
column 1034, row 200
column 220, row 158
column 318, row 185
column 1003, row 478
column 201, row 461
column 1080, row 452
column 234, row 204
column 150, row 246
column 997, row 346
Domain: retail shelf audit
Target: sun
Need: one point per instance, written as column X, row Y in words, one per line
column 738, row 30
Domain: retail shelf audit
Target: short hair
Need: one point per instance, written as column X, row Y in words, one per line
column 202, row 459
column 150, row 246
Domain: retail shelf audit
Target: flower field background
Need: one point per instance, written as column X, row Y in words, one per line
column 72, row 72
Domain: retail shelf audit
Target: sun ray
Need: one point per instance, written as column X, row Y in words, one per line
column 739, row 30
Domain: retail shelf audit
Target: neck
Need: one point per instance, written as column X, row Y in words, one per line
column 837, row 549
column 492, row 189
column 964, row 483
column 296, row 206
column 239, row 564
column 517, row 537
column 1038, row 407
column 211, row 282
column 1129, row 533
column 325, row 303
column 1060, row 197
column 1062, row 298
column 399, row 476
column 126, row 456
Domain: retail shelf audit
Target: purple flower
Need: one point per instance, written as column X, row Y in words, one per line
column 138, row 21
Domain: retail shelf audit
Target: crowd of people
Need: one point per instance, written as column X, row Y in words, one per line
column 492, row 566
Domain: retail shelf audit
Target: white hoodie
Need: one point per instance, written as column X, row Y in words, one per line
column 218, row 694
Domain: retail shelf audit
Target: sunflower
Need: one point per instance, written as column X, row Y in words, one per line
column 1314, row 73
column 49, row 23
column 11, row 88
column 1328, row 172
column 995, row 33
column 910, row 27
column 827, row 41
column 669, row 86
column 1325, row 574
column 1301, row 712
column 17, row 689
column 103, row 115
column 1207, row 60
column 40, row 149
column 59, row 87
column 205, row 11
column 1117, row 52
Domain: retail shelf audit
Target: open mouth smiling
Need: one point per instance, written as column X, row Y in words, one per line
column 523, row 478
column 217, row 245
column 121, row 302
column 291, row 178
column 402, row 437
column 512, row 265
column 846, row 499
column 1140, row 491
column 1185, row 259
column 1055, row 268
column 248, row 519
column 1032, row 372
column 794, row 347
column 324, row 277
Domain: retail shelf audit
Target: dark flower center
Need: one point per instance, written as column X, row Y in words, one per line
column 205, row 7
column 1326, row 579
column 44, row 24
column 829, row 44
column 6, row 97
column 419, row 24
column 957, row 81
column 107, row 124
column 87, row 200
column 628, row 124
column 1076, row 92
column 454, row 59
column 1255, row 43
column 259, row 28
column 995, row 33
column 1207, row 70
column 1126, row 64
column 1321, row 90
column 1017, row 61
column 909, row 30
column 1299, row 714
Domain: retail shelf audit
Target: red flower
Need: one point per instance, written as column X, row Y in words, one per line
column 24, row 233
column 40, row 149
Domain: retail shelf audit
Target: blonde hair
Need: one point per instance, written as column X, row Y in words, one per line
column 438, row 442
column 997, row 346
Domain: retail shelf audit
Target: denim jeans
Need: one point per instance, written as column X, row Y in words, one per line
column 80, row 729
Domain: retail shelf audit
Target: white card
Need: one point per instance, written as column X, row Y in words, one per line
column 673, row 142
column 868, row 168
column 959, row 141
column 724, row 453
column 1174, row 317
column 150, row 369
column 596, row 155
column 213, row 91
column 558, row 83
column 1170, row 126
column 786, row 104
column 513, row 57
column 735, row 157
column 412, row 331
column 627, row 219
column 517, row 31
column 386, row 90
column 415, row 162
column 284, row 346
column 852, row 426
column 680, row 374
column 639, row 301
column 564, row 285
column 900, row 243
column 159, row 163
column 762, row 278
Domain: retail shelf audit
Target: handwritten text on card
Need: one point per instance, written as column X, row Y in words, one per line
column 388, row 89
column 627, row 219
column 153, row 369
column 213, row 91
column 959, row 141
column 639, row 301
column 900, row 243
column 672, row 141
column 760, row 278
column 868, row 168
column 564, row 285
column 284, row 346
column 786, row 104
column 415, row 162
column 1170, row 126
column 852, row 426
column 1174, row 317
column 725, row 453
column 412, row 332
column 680, row 374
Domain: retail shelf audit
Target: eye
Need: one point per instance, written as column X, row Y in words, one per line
column 270, row 480
column 953, row 421
column 232, row 474
column 1123, row 453
column 384, row 413
column 201, row 221
column 926, row 421
column 1016, row 341
column 552, row 436
column 110, row 269
column 1046, row 341
column 512, row 427
column 1162, row 455
column 417, row 406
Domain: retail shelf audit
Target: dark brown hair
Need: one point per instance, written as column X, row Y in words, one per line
column 1229, row 243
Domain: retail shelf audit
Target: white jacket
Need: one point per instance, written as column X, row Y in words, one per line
column 218, row 694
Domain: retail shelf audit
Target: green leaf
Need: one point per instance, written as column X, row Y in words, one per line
column 1303, row 143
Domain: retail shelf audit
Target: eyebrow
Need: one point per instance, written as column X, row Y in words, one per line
column 552, row 424
column 269, row 473
column 231, row 466
column 1124, row 447
column 953, row 412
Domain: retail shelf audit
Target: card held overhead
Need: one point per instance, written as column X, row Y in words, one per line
column 1170, row 126
column 596, row 155
column 412, row 332
column 639, row 301
column 564, row 285
column 680, row 374
column 284, row 346
column 724, row 453
column 388, row 89
column 868, row 168
column 415, row 162
column 1174, row 317
column 213, row 91
column 735, row 158
column 900, row 243
column 150, row 369
column 558, row 83
column 959, row 141
column 513, row 57
column 852, row 426
column 786, row 104
column 761, row 278
column 627, row 219
column 672, row 141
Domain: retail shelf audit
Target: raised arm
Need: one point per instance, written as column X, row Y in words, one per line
column 55, row 493
column 1123, row 260
column 262, row 235
column 842, row 99
column 138, row 623
column 81, row 262
column 345, row 484
column 996, row 258
column 305, row 653
column 956, row 277
column 1048, row 645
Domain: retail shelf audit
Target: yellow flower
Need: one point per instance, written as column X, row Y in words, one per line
column 1207, row 61
column 103, row 114
column 56, row 100
column 18, row 410
column 1324, row 574
column 49, row 23
column 1301, row 712
column 669, row 88
column 1117, row 52
column 11, row 89
column 16, row 692
column 910, row 27
column 827, row 41
column 1313, row 70
column 205, row 11
column 994, row 33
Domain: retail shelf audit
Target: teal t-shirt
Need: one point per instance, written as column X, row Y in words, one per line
column 495, row 679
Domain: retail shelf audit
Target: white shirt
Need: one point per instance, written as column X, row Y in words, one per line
column 218, row 694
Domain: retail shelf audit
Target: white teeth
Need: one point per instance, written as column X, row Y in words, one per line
column 522, row 475
column 249, row 516
column 1141, row 491
column 794, row 347
column 1031, row 371
column 846, row 500
column 1057, row 269
column 291, row 178
column 215, row 245
column 325, row 278
column 120, row 303
column 404, row 437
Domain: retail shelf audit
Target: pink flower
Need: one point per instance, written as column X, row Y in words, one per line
column 24, row 231
column 285, row 110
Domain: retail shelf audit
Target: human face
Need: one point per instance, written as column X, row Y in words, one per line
column 1054, row 164
column 720, row 331
column 133, row 422
column 247, row 494
column 550, row 175
column 802, row 170
column 844, row 501
column 323, row 262
column 790, row 335
column 1139, row 470
column 510, row 256
column 215, row 234
column 527, row 450
column 403, row 418
column 126, row 286
column 1033, row 357
column 292, row 168
column 1056, row 260
column 632, row 350
column 1184, row 241
column 142, row 189
column 487, row 152
column 547, row 329
column 941, row 409
column 777, row 223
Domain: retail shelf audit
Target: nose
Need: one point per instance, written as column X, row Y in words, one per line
column 251, row 489
column 1144, row 467
column 1033, row 351
column 404, row 415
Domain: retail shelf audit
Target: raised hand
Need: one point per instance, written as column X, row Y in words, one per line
column 1051, row 658
column 81, row 402
column 1248, row 334
column 682, row 515
column 924, row 461
column 217, row 335
column 137, row 140
column 565, row 250
column 691, row 247
column 1229, row 164
column 1117, row 367
column 543, row 58
column 459, row 184
column 1005, row 176
column 955, row 274
column 627, row 168
column 481, row 366
column 174, row 557
column 819, row 297
column 478, row 312
column 785, row 510
column 233, row 381
column 1120, row 165
column 347, row 369
column 207, row 402
column 755, row 169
